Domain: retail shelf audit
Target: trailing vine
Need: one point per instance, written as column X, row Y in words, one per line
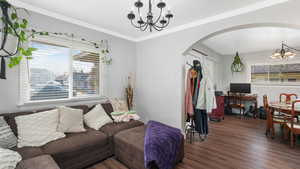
column 18, row 26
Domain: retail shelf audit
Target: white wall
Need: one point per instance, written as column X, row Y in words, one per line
column 160, row 62
column 249, row 59
column 123, row 53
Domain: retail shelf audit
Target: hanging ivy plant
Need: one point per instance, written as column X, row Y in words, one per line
column 237, row 65
column 17, row 26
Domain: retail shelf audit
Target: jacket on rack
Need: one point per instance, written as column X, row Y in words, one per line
column 188, row 95
column 206, row 99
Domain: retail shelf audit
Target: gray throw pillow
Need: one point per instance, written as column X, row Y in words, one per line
column 7, row 137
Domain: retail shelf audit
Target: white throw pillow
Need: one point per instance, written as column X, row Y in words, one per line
column 70, row 120
column 9, row 159
column 119, row 105
column 97, row 117
column 38, row 129
column 7, row 137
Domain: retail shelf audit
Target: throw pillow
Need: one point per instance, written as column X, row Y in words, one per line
column 7, row 137
column 9, row 159
column 70, row 120
column 125, row 116
column 119, row 105
column 38, row 129
column 97, row 117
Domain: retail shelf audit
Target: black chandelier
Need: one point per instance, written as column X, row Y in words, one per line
column 159, row 23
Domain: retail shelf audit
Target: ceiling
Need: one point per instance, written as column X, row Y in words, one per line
column 109, row 16
column 253, row 40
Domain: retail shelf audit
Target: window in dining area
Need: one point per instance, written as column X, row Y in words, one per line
column 280, row 73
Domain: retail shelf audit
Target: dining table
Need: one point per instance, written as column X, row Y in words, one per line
column 284, row 109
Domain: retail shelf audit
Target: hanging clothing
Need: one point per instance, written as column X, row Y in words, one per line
column 206, row 99
column 197, row 86
column 188, row 94
column 201, row 121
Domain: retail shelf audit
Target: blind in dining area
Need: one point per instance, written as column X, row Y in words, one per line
column 86, row 66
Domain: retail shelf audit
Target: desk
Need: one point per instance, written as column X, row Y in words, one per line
column 243, row 98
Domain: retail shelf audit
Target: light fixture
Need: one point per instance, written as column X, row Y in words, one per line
column 158, row 23
column 286, row 52
column 237, row 64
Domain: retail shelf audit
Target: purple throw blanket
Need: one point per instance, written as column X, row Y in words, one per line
column 162, row 145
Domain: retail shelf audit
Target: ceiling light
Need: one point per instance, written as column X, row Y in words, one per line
column 158, row 23
column 286, row 52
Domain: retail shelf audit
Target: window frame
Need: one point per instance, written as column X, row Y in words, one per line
column 68, row 44
column 269, row 83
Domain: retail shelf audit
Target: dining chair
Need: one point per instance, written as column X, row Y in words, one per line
column 293, row 125
column 287, row 98
column 272, row 118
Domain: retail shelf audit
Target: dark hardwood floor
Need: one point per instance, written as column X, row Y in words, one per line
column 234, row 144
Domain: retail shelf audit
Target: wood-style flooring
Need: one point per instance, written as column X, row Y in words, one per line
column 234, row 144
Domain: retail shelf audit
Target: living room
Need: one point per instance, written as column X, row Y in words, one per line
column 97, row 84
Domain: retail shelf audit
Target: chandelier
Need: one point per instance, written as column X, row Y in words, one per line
column 159, row 23
column 286, row 52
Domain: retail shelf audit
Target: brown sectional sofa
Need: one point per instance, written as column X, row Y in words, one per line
column 80, row 150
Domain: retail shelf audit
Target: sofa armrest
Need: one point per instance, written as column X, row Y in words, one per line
column 40, row 162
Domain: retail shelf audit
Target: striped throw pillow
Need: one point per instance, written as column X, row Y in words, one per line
column 7, row 137
column 9, row 159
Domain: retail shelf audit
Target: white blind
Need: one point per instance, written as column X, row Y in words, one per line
column 86, row 68
column 49, row 72
column 59, row 72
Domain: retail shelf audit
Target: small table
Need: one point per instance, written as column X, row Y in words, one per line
column 242, row 98
column 279, row 107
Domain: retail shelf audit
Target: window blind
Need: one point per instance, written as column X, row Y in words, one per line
column 49, row 72
column 60, row 72
column 85, row 73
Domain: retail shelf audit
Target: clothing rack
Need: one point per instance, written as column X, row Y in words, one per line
column 190, row 128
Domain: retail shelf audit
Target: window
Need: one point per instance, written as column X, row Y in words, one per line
column 61, row 72
column 280, row 73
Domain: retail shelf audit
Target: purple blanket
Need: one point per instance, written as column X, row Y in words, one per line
column 162, row 144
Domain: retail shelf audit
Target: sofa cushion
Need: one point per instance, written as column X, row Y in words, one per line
column 40, row 162
column 7, row 137
column 70, row 120
column 75, row 142
column 10, row 117
column 38, row 129
column 9, row 159
column 29, row 152
column 113, row 128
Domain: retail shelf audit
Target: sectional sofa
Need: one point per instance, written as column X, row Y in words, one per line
column 81, row 150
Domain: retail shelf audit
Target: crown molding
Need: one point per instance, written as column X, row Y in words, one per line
column 225, row 15
column 27, row 6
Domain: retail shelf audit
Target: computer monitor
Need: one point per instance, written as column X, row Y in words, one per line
column 240, row 87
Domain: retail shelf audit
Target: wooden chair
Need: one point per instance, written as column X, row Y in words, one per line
column 272, row 119
column 288, row 98
column 235, row 102
column 292, row 125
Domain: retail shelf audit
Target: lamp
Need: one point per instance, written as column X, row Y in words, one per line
column 285, row 53
column 159, row 23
